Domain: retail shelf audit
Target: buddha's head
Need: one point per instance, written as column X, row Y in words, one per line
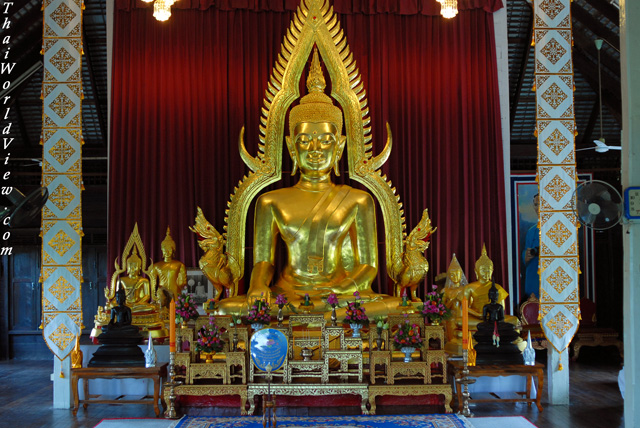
column 168, row 246
column 133, row 264
column 493, row 293
column 121, row 296
column 484, row 267
column 315, row 140
column 454, row 272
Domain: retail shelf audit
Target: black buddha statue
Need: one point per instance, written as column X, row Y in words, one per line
column 119, row 339
column 497, row 340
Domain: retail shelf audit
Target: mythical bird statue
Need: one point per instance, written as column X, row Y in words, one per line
column 413, row 266
column 216, row 265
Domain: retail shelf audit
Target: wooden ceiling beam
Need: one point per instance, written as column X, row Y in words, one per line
column 606, row 9
column 594, row 25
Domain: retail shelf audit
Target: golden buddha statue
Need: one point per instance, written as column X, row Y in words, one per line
column 137, row 288
column 453, row 288
column 329, row 230
column 477, row 292
column 169, row 276
column 139, row 291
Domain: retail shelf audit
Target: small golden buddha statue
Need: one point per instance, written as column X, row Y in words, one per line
column 478, row 291
column 169, row 276
column 137, row 288
column 76, row 355
column 329, row 230
column 453, row 288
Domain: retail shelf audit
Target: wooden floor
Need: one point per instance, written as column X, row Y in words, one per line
column 26, row 399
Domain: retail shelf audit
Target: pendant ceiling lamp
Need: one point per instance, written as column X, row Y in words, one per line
column 161, row 8
column 449, row 8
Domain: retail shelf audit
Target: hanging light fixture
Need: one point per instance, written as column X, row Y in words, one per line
column 162, row 10
column 449, row 8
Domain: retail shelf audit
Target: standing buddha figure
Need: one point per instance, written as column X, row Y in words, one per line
column 453, row 288
column 329, row 230
column 169, row 275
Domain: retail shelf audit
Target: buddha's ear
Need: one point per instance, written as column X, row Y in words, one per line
column 342, row 139
column 292, row 153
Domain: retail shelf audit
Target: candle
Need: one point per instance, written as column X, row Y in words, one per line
column 465, row 323
column 172, row 326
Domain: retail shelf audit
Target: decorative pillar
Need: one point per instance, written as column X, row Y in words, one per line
column 556, row 175
column 61, row 230
column 629, row 67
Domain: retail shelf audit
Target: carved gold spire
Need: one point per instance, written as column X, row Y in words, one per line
column 484, row 259
column 168, row 240
column 315, row 106
column 315, row 81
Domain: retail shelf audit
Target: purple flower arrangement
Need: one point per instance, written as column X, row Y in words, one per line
column 355, row 313
column 433, row 306
column 281, row 300
column 209, row 339
column 407, row 334
column 259, row 312
column 185, row 308
column 332, row 300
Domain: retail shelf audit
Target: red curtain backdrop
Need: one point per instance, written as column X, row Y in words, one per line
column 182, row 90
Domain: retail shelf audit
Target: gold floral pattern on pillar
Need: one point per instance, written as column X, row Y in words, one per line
column 61, row 229
column 555, row 129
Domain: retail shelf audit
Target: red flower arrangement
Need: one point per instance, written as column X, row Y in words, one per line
column 185, row 308
column 259, row 312
column 433, row 306
column 209, row 339
column 407, row 335
column 355, row 313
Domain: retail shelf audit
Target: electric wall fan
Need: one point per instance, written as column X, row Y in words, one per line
column 598, row 205
column 24, row 208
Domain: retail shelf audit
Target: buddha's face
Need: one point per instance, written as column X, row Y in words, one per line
column 133, row 268
column 484, row 273
column 316, row 146
column 167, row 251
column 455, row 275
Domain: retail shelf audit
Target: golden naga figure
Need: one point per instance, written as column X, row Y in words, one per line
column 478, row 292
column 139, row 291
column 169, row 276
column 329, row 230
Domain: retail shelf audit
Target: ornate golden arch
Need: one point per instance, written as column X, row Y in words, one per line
column 315, row 23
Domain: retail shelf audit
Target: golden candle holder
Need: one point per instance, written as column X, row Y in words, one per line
column 171, row 412
column 466, row 381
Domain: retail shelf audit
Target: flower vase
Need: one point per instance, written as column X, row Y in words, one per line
column 379, row 343
column 334, row 317
column 434, row 321
column 356, row 329
column 407, row 350
column 234, row 346
column 207, row 356
column 280, row 317
column 257, row 326
column 184, row 324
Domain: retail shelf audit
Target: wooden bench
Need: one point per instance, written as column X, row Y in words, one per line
column 456, row 368
column 157, row 374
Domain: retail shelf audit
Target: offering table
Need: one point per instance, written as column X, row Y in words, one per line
column 157, row 374
column 529, row 372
